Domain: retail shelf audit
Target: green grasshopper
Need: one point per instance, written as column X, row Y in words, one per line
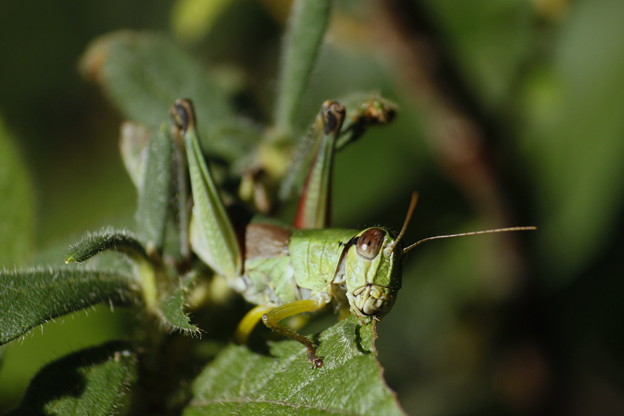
column 287, row 271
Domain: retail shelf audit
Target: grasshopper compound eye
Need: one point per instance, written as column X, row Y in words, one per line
column 369, row 243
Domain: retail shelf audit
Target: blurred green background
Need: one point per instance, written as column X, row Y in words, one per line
column 510, row 114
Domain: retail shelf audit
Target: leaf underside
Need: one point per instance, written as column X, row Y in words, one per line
column 172, row 310
column 155, row 193
column 89, row 382
column 143, row 73
column 107, row 239
column 284, row 383
column 306, row 28
column 32, row 297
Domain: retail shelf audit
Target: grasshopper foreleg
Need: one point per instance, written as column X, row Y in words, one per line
column 272, row 320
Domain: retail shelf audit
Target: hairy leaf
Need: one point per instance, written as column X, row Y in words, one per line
column 301, row 44
column 172, row 309
column 90, row 382
column 155, row 192
column 17, row 207
column 284, row 383
column 106, row 239
column 34, row 296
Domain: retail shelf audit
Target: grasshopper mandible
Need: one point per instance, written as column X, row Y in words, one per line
column 287, row 271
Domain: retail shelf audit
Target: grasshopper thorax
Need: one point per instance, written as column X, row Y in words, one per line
column 372, row 272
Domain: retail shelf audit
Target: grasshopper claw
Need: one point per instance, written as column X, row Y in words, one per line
column 317, row 362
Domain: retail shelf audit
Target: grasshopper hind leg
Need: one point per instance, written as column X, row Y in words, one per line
column 213, row 237
column 313, row 210
column 249, row 322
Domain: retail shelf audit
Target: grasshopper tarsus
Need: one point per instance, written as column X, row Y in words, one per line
column 271, row 320
column 333, row 114
column 183, row 115
column 317, row 362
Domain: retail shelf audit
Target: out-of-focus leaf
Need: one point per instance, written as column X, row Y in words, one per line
column 106, row 239
column 133, row 146
column 490, row 42
column 144, row 73
column 428, row 346
column 284, row 383
column 306, row 27
column 34, row 296
column 155, row 193
column 172, row 309
column 94, row 381
column 192, row 19
column 17, row 207
column 575, row 139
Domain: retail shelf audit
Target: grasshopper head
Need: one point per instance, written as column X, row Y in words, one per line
column 373, row 272
column 372, row 268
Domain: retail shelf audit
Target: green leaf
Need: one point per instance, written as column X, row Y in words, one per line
column 34, row 296
column 17, row 207
column 576, row 148
column 106, row 239
column 491, row 42
column 192, row 19
column 133, row 145
column 124, row 242
column 94, row 381
column 301, row 45
column 143, row 73
column 172, row 309
column 240, row 381
column 155, row 192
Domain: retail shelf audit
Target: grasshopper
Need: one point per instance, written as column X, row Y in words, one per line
column 286, row 271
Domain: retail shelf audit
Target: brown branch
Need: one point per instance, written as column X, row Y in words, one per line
column 464, row 139
column 462, row 135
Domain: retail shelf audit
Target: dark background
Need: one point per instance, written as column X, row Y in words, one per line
column 510, row 114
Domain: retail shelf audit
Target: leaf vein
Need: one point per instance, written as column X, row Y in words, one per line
column 246, row 400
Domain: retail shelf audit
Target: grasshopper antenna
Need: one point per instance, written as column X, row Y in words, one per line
column 408, row 217
column 496, row 230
